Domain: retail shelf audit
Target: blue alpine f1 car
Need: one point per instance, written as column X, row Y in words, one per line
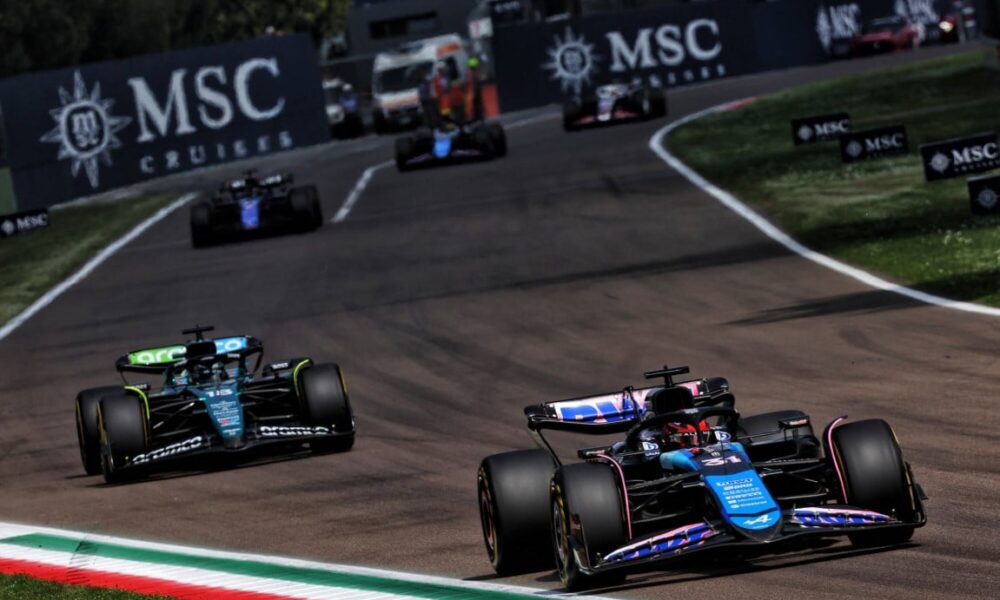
column 214, row 398
column 451, row 142
column 691, row 475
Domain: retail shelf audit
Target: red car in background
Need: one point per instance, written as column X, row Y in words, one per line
column 886, row 34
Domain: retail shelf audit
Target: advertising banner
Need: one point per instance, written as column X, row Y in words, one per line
column 874, row 143
column 23, row 222
column 962, row 156
column 822, row 128
column 79, row 131
column 543, row 63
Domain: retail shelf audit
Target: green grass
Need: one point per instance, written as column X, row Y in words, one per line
column 19, row 587
column 33, row 263
column 880, row 215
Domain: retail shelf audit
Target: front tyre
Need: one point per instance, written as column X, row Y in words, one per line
column 404, row 151
column 875, row 477
column 499, row 138
column 325, row 403
column 201, row 225
column 513, row 490
column 123, row 425
column 587, row 522
column 88, row 434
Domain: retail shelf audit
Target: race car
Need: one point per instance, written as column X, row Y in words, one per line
column 885, row 34
column 251, row 205
column 691, row 475
column 214, row 399
column 615, row 103
column 450, row 142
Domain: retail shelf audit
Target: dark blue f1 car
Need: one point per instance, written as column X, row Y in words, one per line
column 691, row 475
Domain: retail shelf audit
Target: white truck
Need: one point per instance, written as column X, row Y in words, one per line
column 398, row 75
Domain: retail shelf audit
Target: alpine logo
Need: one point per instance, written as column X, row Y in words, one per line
column 958, row 157
column 293, row 431
column 761, row 520
column 171, row 450
column 85, row 130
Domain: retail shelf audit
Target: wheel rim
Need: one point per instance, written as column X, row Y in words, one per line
column 488, row 520
column 560, row 539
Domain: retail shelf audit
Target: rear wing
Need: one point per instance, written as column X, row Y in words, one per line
column 604, row 413
column 158, row 360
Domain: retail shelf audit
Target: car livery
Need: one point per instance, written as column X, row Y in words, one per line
column 614, row 103
column 451, row 142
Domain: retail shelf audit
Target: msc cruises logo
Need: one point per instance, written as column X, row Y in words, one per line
column 572, row 61
column 85, row 129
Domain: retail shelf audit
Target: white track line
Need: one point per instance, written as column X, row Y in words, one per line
column 92, row 264
column 359, row 188
column 366, row 177
column 731, row 202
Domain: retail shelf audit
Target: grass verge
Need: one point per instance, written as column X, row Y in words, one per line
column 31, row 264
column 880, row 215
column 20, row 587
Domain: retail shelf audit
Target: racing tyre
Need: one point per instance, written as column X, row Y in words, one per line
column 201, row 225
column 122, row 422
column 404, row 150
column 325, row 403
column 513, row 490
column 875, row 477
column 306, row 207
column 658, row 100
column 88, row 434
column 587, row 496
column 571, row 112
column 499, row 138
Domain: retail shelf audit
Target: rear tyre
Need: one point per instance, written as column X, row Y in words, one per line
column 875, row 477
column 404, row 150
column 499, row 138
column 201, row 225
column 513, row 490
column 88, row 434
column 325, row 403
column 122, row 423
column 306, row 209
column 588, row 494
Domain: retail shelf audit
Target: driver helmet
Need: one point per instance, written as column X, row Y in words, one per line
column 683, row 435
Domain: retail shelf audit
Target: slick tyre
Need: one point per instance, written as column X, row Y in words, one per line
column 588, row 494
column 404, row 151
column 122, row 422
column 201, row 225
column 325, row 403
column 513, row 490
column 88, row 434
column 499, row 139
column 875, row 477
column 306, row 208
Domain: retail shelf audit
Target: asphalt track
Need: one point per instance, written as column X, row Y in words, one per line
column 454, row 297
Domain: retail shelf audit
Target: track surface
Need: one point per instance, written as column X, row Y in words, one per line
column 453, row 298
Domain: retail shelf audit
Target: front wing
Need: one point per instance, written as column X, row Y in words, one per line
column 256, row 436
column 705, row 535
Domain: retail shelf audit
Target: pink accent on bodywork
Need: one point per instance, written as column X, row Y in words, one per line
column 833, row 459
column 693, row 387
column 663, row 536
column 621, row 474
column 638, row 397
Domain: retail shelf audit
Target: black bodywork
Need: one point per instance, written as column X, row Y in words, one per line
column 253, row 205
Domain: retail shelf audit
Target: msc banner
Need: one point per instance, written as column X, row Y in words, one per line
column 76, row 132
column 962, row 156
column 546, row 62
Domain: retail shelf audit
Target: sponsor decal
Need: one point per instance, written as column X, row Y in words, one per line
column 652, row 449
column 280, row 366
column 984, row 194
column 961, row 156
column 171, row 450
column 86, row 130
column 820, row 128
column 572, row 61
column 293, row 431
column 23, row 222
column 169, row 354
column 722, row 436
column 837, row 23
column 719, row 462
column 761, row 520
column 873, row 143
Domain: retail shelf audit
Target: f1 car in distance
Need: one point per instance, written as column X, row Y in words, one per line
column 691, row 475
column 615, row 103
column 343, row 109
column 451, row 142
column 253, row 204
column 886, row 34
column 214, row 399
